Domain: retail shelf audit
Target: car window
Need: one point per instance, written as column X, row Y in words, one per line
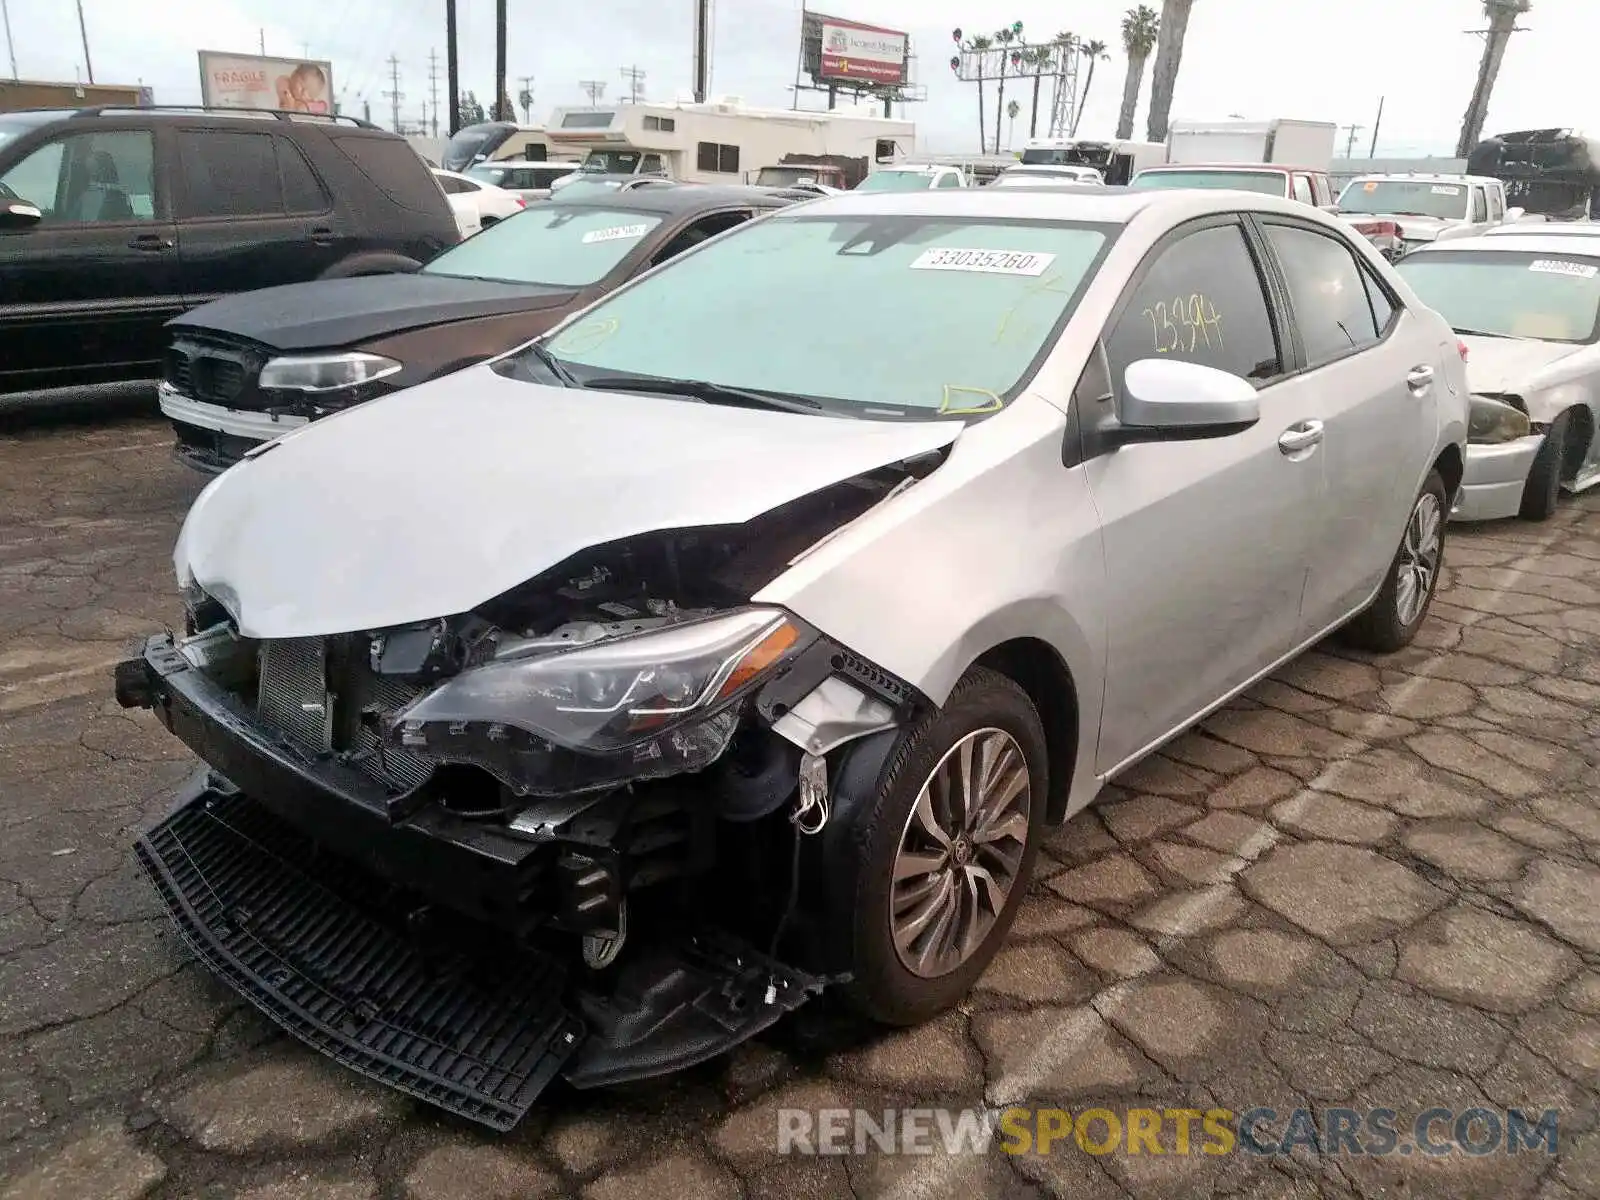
column 397, row 169
column 1383, row 308
column 948, row 181
column 1480, row 206
column 228, row 174
column 652, row 164
column 1201, row 301
column 557, row 246
column 1329, row 297
column 1510, row 294
column 1302, row 190
column 302, row 190
column 698, row 231
column 893, row 302
column 1405, row 198
column 100, row 176
column 453, row 186
column 1497, row 204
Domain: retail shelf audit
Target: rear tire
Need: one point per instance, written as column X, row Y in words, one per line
column 1543, row 489
column 917, row 944
column 1402, row 603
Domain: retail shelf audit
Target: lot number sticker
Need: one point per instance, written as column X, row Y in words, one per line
column 1445, row 189
column 987, row 262
column 1554, row 266
column 616, row 233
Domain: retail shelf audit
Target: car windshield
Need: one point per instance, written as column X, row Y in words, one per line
column 1273, row 183
column 488, row 174
column 611, row 162
column 879, row 316
column 1405, row 197
column 896, row 181
column 1554, row 298
column 556, row 245
column 1045, row 178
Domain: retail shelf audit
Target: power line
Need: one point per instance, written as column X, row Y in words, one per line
column 433, row 87
column 635, row 79
column 594, row 89
column 394, row 93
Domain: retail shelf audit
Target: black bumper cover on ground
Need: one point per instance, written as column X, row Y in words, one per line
column 320, row 939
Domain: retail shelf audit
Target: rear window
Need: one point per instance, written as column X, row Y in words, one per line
column 1510, row 294
column 396, row 169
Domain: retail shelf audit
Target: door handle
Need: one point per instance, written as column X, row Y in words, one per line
column 322, row 235
column 150, row 241
column 1420, row 379
column 1300, row 437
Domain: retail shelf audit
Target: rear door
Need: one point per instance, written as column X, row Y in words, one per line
column 1363, row 368
column 248, row 206
column 85, row 292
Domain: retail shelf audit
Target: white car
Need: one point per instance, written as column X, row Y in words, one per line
column 1046, row 175
column 485, row 202
column 1419, row 209
column 912, row 177
column 1527, row 310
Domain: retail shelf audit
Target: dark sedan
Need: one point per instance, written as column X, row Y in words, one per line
column 245, row 369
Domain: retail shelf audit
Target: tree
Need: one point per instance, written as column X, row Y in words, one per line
column 1502, row 16
column 1039, row 58
column 1140, row 27
column 471, row 111
column 1169, row 56
column 1004, row 37
column 1094, row 52
column 1012, row 109
column 507, row 110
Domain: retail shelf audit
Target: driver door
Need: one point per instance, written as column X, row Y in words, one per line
column 1207, row 542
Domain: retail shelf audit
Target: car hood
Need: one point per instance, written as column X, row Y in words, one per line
column 1501, row 366
column 325, row 313
column 450, row 493
column 1414, row 229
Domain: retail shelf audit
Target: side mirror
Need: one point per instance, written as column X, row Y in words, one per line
column 1516, row 214
column 19, row 214
column 1167, row 400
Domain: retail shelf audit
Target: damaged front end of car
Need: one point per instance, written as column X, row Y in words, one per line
column 561, row 834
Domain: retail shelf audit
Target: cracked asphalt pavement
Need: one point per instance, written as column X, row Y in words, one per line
column 1366, row 883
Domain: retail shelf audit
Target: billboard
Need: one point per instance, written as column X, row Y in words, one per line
column 256, row 81
column 847, row 52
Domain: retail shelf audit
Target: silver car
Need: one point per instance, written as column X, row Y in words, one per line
column 745, row 634
column 1527, row 309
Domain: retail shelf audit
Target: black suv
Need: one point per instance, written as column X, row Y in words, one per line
column 114, row 220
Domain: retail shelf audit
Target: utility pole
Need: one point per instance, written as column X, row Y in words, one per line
column 11, row 46
column 83, row 30
column 452, row 66
column 500, row 60
column 1377, row 123
column 525, row 98
column 1350, row 143
column 366, row 111
column 702, row 50
column 635, row 80
column 433, row 87
column 394, row 93
column 261, row 41
column 594, row 89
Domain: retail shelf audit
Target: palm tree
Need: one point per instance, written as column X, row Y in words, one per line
column 1169, row 55
column 1502, row 15
column 1012, row 109
column 978, row 45
column 1039, row 58
column 1140, row 27
column 1094, row 52
column 1065, row 43
column 1004, row 37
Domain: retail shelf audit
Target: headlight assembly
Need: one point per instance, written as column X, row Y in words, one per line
column 324, row 372
column 1491, row 422
column 644, row 706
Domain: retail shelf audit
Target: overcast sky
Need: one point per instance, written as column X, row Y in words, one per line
column 1256, row 58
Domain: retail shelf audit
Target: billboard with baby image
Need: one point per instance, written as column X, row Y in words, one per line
column 256, row 81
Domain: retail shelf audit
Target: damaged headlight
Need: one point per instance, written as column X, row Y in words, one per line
column 324, row 372
column 1491, row 422
column 644, row 706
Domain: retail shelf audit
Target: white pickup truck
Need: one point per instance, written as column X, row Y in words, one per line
column 1398, row 213
column 913, row 177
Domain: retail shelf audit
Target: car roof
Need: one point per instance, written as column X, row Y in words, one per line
column 1089, row 203
column 1554, row 243
column 684, row 197
column 1233, row 166
column 1546, row 229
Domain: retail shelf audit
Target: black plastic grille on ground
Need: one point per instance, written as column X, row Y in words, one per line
column 477, row 1038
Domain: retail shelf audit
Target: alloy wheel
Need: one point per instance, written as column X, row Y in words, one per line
column 1420, row 552
column 960, row 853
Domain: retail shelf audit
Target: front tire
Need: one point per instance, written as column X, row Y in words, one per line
column 1392, row 620
column 943, row 854
column 1543, row 489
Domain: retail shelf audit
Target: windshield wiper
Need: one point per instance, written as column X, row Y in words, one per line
column 1486, row 333
column 699, row 389
column 554, row 365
